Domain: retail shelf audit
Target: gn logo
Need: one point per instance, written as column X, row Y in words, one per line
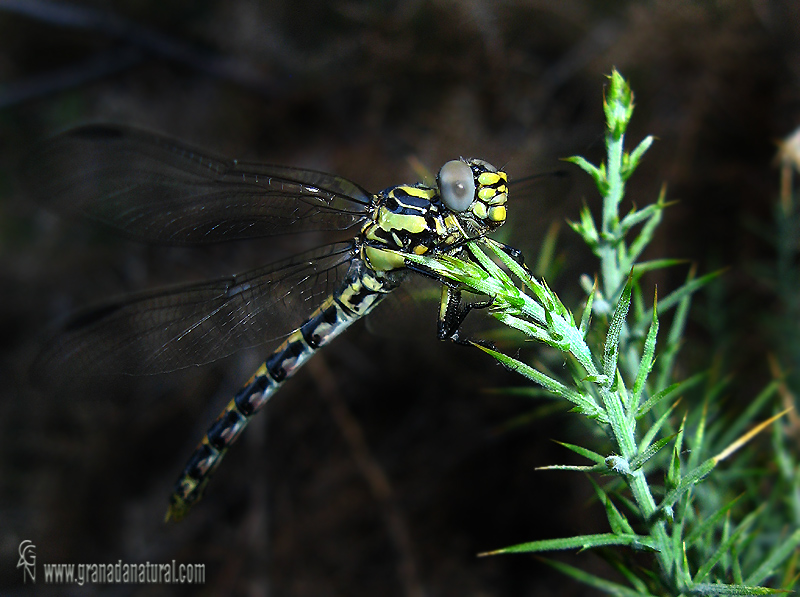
column 27, row 560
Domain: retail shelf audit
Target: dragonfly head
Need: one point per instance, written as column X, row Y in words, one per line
column 476, row 190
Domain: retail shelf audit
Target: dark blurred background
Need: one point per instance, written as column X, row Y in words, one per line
column 386, row 465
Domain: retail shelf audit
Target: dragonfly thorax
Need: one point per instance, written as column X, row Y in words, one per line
column 467, row 203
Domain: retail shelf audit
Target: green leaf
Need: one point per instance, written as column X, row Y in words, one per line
column 647, row 232
column 489, row 265
column 674, row 469
column 597, row 173
column 642, row 457
column 667, row 357
column 600, row 380
column 595, row 468
column 629, row 570
column 637, row 216
column 698, row 441
column 631, row 162
column 586, row 317
column 682, row 576
column 545, row 261
column 738, row 425
column 578, row 542
column 775, row 558
column 618, row 523
column 646, row 362
column 710, row 522
column 670, row 392
column 611, row 349
column 586, row 404
column 688, row 481
column 618, row 105
column 644, row 445
column 655, row 264
column 719, row 589
column 685, row 291
column 531, row 329
column 723, row 548
column 585, row 452
column 591, row 580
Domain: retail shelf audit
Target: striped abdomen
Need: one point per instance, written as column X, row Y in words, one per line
column 361, row 292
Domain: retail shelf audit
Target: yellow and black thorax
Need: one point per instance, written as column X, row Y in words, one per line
column 468, row 201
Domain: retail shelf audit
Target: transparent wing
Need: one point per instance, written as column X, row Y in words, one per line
column 173, row 328
column 158, row 190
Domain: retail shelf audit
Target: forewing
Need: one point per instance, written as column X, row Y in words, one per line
column 158, row 190
column 173, row 328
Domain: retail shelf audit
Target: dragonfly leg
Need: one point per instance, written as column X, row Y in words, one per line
column 513, row 252
column 452, row 312
column 452, row 308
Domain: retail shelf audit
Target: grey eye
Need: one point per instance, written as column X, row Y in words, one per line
column 457, row 185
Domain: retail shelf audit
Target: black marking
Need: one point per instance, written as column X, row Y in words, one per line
column 225, row 429
column 515, row 254
column 411, row 205
column 201, row 463
column 383, row 235
column 356, row 298
column 309, row 328
column 276, row 360
column 244, row 397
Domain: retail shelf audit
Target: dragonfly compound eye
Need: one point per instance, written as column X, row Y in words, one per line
column 457, row 185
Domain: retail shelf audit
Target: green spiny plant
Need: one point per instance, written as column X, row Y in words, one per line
column 703, row 538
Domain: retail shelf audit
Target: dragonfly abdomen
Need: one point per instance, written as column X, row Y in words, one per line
column 361, row 291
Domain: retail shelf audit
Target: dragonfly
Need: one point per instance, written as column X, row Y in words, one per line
column 159, row 190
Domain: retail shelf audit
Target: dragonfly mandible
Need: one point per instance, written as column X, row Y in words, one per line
column 158, row 190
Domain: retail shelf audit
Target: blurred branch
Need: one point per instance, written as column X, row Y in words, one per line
column 144, row 41
column 98, row 66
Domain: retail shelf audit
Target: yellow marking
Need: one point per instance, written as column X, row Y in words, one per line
column 381, row 260
column 489, row 178
column 326, row 304
column 294, row 337
column 392, row 221
column 188, row 484
column 498, row 199
column 423, row 193
column 372, row 283
column 347, row 293
column 486, row 193
column 181, row 507
column 420, row 249
column 371, row 233
column 479, row 209
column 443, row 303
column 370, row 223
column 497, row 213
